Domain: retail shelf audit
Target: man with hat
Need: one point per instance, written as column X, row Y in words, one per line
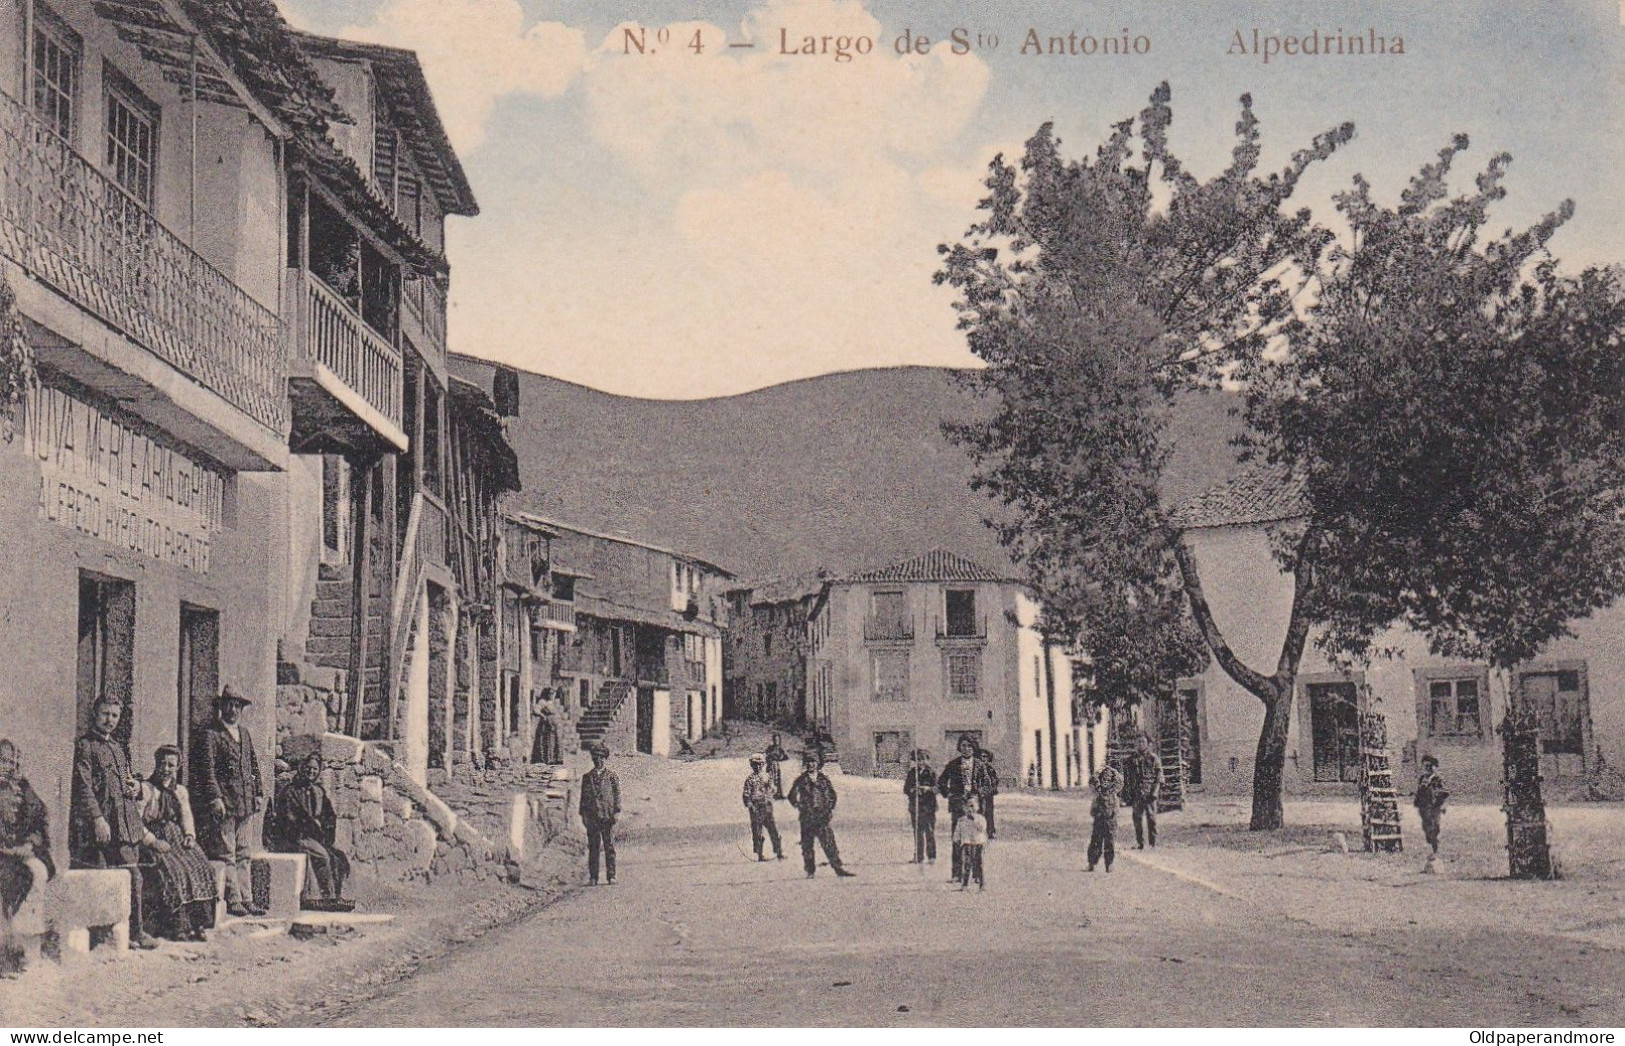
column 600, row 805
column 226, row 795
column 813, row 796
column 920, row 786
column 758, row 798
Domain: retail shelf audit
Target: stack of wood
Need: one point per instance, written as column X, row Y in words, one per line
column 1528, row 853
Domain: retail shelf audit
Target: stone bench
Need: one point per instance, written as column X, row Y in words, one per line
column 277, row 880
column 80, row 900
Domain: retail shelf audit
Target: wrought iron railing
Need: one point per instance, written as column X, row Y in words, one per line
column 888, row 629
column 75, row 229
column 333, row 334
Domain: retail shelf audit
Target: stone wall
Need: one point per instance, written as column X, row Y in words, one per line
column 526, row 806
column 392, row 828
column 309, row 700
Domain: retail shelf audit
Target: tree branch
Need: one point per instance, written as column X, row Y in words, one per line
column 1297, row 627
column 1255, row 683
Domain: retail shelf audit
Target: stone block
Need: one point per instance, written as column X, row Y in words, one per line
column 347, row 802
column 372, row 816
column 84, row 898
column 337, row 748
column 372, row 789
column 440, row 815
column 344, row 834
column 286, row 873
column 420, row 845
column 518, row 821
column 397, row 805
column 377, row 760
column 561, row 773
column 300, row 745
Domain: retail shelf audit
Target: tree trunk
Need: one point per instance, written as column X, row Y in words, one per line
column 1269, row 765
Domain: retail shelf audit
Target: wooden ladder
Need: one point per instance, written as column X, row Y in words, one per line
column 1175, row 770
column 1379, row 799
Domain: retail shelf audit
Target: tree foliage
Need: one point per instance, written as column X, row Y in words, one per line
column 1096, row 290
column 1456, row 410
column 16, row 360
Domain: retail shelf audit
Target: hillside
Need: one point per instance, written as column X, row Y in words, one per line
column 843, row 471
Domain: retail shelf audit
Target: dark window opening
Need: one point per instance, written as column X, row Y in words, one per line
column 961, row 613
column 106, row 660
column 198, row 680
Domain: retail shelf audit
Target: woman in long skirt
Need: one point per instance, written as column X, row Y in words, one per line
column 183, row 902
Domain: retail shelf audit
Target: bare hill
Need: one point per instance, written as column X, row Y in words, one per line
column 842, row 472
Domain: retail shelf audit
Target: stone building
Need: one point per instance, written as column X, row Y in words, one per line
column 764, row 656
column 932, row 649
column 1432, row 705
column 643, row 668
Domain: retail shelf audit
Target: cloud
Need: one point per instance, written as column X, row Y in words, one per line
column 475, row 52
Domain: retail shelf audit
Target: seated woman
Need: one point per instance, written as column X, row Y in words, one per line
column 304, row 822
column 183, row 887
column 25, row 857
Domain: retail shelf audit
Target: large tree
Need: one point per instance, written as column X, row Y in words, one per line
column 1448, row 407
column 1455, row 407
column 1097, row 291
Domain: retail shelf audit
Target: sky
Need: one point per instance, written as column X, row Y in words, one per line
column 680, row 225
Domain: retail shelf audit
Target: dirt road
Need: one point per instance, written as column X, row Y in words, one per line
column 696, row 933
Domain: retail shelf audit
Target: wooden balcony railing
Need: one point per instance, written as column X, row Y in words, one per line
column 75, row 229
column 957, row 630
column 556, row 613
column 333, row 334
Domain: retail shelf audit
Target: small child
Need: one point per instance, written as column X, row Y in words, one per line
column 1103, row 812
column 1430, row 797
column 970, row 836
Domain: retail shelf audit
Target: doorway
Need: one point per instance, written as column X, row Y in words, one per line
column 646, row 720
column 106, row 658
column 198, row 678
column 1334, row 722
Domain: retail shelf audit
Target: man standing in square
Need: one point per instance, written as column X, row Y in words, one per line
column 1142, row 786
column 600, row 805
column 226, row 794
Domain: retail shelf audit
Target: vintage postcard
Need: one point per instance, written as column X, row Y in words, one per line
column 812, row 513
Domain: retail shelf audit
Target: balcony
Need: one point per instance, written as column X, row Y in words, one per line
column 971, row 630
column 654, row 673
column 888, row 629
column 345, row 377
column 425, row 320
column 76, row 233
column 558, row 616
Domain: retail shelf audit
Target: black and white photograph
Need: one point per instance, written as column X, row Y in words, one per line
column 781, row 514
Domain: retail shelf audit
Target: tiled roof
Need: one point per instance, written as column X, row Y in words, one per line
column 935, row 565
column 1258, row 494
column 772, row 591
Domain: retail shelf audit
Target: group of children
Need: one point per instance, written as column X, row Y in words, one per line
column 970, row 832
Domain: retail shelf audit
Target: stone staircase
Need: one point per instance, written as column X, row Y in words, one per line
column 331, row 628
column 596, row 720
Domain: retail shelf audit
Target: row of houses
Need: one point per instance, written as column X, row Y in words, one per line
column 926, row 651
column 249, row 457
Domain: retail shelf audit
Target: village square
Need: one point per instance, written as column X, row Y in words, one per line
column 1240, row 642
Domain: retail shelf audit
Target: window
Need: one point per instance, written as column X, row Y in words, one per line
column 1454, row 707
column 892, row 748
column 891, row 675
column 336, row 520
column 1562, row 707
column 962, row 613
column 888, row 617
column 57, row 56
column 767, row 644
column 964, row 676
column 132, row 138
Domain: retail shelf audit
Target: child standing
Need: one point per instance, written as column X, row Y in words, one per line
column 1103, row 812
column 970, row 837
column 1430, row 797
